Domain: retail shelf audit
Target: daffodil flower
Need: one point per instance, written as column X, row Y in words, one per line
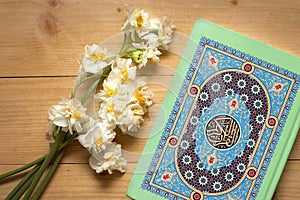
column 96, row 58
column 121, row 102
column 97, row 137
column 122, row 69
column 110, row 159
column 137, row 19
column 68, row 114
column 160, row 35
column 134, row 119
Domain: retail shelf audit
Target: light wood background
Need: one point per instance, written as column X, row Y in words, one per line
column 40, row 43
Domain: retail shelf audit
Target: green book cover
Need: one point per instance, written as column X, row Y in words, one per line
column 227, row 124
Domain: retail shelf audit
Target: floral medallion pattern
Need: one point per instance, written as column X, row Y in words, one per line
column 224, row 126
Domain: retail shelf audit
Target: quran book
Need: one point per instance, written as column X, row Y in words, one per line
column 226, row 128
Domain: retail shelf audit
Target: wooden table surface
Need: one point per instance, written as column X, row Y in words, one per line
column 40, row 43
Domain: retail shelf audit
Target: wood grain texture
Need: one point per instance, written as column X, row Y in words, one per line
column 40, row 43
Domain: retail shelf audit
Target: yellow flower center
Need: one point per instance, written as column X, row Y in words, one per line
column 117, row 163
column 124, row 74
column 111, row 92
column 139, row 21
column 76, row 115
column 164, row 30
column 99, row 141
column 141, row 100
column 71, row 114
column 68, row 109
column 110, row 159
column 110, row 108
column 98, row 57
column 136, row 111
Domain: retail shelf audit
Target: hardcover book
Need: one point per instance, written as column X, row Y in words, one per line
column 231, row 121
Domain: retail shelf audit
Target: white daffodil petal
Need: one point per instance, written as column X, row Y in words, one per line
column 69, row 115
column 95, row 59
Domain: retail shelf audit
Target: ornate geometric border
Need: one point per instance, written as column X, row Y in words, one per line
column 205, row 42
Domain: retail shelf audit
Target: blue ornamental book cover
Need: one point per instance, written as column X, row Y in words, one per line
column 231, row 122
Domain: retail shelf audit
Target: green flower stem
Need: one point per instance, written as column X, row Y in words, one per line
column 94, row 85
column 123, row 44
column 83, row 81
column 18, row 191
column 21, row 183
column 89, row 91
column 37, row 161
column 45, row 164
column 70, row 139
column 125, row 53
column 23, row 188
column 48, row 177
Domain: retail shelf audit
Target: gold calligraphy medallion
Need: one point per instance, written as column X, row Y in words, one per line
column 222, row 132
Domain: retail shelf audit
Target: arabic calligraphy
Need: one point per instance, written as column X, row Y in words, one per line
column 222, row 132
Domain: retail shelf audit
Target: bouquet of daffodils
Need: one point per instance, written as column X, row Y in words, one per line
column 121, row 100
